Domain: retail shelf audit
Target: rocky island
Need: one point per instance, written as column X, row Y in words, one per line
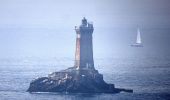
column 83, row 77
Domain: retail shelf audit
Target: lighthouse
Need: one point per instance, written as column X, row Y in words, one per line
column 84, row 46
column 83, row 77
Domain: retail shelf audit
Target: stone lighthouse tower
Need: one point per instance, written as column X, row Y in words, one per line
column 84, row 46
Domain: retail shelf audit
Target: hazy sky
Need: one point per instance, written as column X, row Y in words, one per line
column 45, row 28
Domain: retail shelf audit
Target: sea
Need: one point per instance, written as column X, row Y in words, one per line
column 148, row 76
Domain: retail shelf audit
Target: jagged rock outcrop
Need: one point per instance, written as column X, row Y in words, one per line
column 74, row 81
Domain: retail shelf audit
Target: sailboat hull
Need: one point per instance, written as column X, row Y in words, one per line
column 137, row 45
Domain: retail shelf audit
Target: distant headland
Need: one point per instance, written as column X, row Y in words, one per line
column 82, row 77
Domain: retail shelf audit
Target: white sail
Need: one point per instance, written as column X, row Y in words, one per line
column 138, row 40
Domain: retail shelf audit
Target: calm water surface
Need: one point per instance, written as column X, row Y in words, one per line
column 149, row 77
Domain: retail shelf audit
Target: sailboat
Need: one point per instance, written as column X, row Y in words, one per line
column 138, row 40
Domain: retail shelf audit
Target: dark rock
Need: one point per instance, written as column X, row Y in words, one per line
column 74, row 81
